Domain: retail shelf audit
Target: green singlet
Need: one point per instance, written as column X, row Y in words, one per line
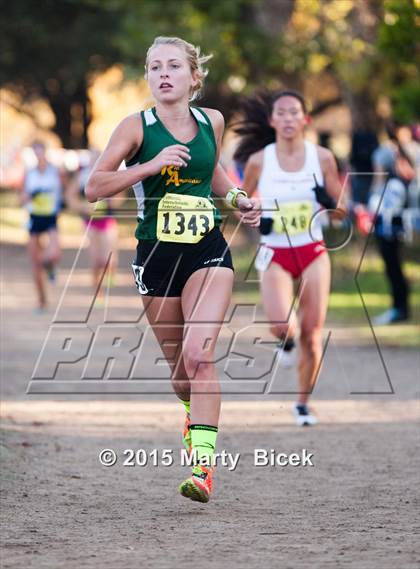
column 175, row 205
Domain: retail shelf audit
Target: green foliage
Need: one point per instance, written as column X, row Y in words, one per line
column 399, row 49
column 406, row 102
column 50, row 48
column 272, row 42
column 59, row 39
column 226, row 29
column 364, row 48
column 398, row 33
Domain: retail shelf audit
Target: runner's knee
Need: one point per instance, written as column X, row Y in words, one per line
column 55, row 257
column 36, row 262
column 197, row 360
column 99, row 264
column 310, row 340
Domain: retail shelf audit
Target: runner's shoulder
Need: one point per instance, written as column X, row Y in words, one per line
column 131, row 130
column 256, row 159
column 132, row 123
column 325, row 156
column 216, row 118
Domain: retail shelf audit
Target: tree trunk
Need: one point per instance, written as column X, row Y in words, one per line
column 73, row 115
column 61, row 107
column 363, row 110
column 364, row 20
column 272, row 16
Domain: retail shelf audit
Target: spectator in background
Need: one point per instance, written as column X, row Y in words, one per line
column 363, row 145
column 395, row 176
column 41, row 194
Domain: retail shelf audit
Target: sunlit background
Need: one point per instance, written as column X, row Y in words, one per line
column 70, row 70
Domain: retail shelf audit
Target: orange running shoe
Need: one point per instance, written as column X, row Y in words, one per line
column 186, row 434
column 200, row 484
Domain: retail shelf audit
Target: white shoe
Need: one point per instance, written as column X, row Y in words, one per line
column 303, row 416
column 287, row 359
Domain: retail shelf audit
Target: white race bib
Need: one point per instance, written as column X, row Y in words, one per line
column 263, row 258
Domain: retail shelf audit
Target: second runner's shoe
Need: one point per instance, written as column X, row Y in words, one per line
column 287, row 353
column 303, row 416
column 200, row 484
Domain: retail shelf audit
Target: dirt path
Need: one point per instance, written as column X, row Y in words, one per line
column 356, row 507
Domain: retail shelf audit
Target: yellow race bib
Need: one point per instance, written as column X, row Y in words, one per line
column 43, row 204
column 293, row 218
column 101, row 209
column 184, row 219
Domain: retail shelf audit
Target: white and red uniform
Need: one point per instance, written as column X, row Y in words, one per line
column 289, row 199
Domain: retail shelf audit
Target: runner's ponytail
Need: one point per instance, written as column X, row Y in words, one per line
column 253, row 127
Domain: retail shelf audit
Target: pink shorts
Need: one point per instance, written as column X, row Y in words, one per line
column 101, row 224
column 295, row 259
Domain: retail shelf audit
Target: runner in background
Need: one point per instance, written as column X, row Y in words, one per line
column 41, row 194
column 100, row 225
column 294, row 179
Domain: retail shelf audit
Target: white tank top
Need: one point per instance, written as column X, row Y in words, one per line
column 288, row 198
column 45, row 190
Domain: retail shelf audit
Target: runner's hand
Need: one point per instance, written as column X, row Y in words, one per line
column 322, row 196
column 250, row 210
column 174, row 155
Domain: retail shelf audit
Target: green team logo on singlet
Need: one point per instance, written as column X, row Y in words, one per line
column 161, row 221
column 171, row 175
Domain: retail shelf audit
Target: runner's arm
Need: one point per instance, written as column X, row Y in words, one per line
column 24, row 197
column 105, row 180
column 333, row 190
column 221, row 183
column 332, row 183
column 72, row 197
column 252, row 173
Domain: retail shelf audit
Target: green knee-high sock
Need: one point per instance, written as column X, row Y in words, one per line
column 203, row 438
column 187, row 405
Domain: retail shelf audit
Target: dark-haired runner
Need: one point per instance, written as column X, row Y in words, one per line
column 294, row 179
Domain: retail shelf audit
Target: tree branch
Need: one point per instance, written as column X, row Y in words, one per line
column 20, row 109
column 321, row 107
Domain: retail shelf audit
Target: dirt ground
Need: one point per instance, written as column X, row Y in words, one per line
column 356, row 507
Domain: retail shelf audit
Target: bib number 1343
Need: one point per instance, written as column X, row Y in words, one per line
column 184, row 219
